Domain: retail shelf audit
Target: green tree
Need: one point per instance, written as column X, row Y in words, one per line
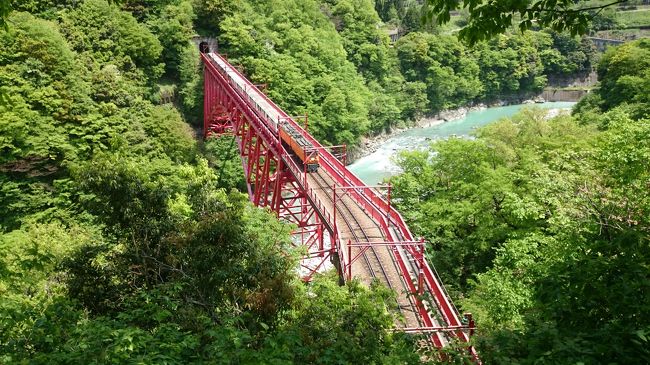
column 173, row 28
column 511, row 64
column 539, row 227
column 624, row 77
column 347, row 324
column 121, row 40
column 487, row 18
column 223, row 153
column 444, row 65
column 5, row 9
column 294, row 48
column 567, row 55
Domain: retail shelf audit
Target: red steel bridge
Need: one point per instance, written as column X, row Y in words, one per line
column 341, row 222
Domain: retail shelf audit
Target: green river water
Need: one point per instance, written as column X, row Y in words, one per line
column 377, row 166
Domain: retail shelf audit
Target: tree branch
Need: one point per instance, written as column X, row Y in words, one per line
column 569, row 11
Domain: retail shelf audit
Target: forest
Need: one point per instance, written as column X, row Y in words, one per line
column 540, row 227
column 125, row 238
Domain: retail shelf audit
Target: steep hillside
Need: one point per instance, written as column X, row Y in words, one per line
column 540, row 226
column 334, row 61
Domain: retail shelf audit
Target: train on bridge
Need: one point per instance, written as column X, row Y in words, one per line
column 337, row 217
column 292, row 139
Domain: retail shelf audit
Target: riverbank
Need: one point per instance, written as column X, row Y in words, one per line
column 370, row 144
column 378, row 165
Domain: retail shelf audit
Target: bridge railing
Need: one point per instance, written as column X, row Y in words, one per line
column 290, row 163
column 371, row 201
column 260, row 127
column 387, row 217
column 380, row 210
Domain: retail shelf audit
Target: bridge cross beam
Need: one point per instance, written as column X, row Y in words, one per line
column 290, row 203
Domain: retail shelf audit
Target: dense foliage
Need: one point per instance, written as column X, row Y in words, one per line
column 540, row 226
column 624, row 79
column 455, row 75
column 121, row 239
column 489, row 18
column 67, row 101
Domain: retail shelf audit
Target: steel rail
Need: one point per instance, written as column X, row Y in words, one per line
column 375, row 255
column 388, row 245
column 377, row 204
column 267, row 132
column 354, row 232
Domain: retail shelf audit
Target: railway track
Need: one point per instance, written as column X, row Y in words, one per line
column 374, row 258
column 350, row 218
column 258, row 118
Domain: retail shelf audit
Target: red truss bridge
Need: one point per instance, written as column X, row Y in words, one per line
column 341, row 222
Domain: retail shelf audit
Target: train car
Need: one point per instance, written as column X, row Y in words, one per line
column 300, row 146
column 292, row 138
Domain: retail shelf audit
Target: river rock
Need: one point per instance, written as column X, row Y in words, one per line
column 452, row 114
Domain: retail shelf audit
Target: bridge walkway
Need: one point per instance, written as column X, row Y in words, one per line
column 355, row 225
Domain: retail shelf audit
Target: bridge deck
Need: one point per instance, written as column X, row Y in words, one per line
column 370, row 237
column 356, row 226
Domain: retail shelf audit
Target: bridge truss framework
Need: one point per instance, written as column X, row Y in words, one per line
column 275, row 180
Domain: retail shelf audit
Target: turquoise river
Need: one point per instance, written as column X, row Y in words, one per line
column 377, row 166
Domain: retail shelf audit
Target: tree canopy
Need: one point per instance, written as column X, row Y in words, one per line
column 124, row 239
column 488, row 18
column 334, row 61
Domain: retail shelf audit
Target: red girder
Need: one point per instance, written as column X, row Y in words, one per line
column 275, row 180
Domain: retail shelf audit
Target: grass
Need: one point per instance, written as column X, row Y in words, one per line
column 633, row 18
column 624, row 34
